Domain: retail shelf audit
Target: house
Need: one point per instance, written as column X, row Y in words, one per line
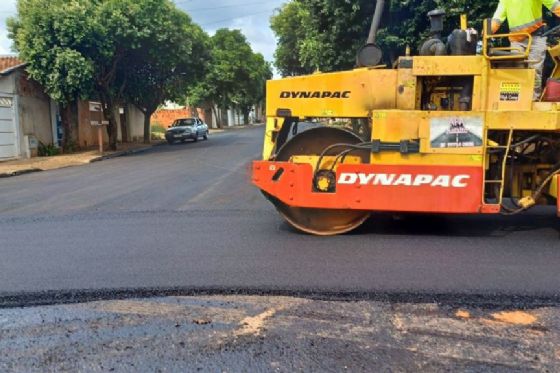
column 28, row 116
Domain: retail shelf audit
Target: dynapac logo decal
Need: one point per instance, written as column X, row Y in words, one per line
column 315, row 94
column 443, row 181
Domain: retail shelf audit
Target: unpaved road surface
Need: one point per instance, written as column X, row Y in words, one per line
column 276, row 334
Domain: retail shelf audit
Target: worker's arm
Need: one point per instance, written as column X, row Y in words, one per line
column 553, row 6
column 500, row 16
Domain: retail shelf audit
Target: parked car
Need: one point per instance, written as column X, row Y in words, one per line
column 186, row 129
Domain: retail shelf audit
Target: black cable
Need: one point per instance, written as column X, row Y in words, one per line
column 361, row 146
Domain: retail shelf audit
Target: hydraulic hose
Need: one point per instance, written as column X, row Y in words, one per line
column 536, row 195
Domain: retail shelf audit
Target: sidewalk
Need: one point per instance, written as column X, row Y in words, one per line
column 37, row 164
column 25, row 166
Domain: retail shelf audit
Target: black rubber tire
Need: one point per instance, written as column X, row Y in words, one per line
column 170, row 142
column 205, row 137
column 195, row 138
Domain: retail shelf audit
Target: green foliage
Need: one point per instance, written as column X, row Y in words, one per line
column 143, row 51
column 48, row 150
column 156, row 128
column 174, row 55
column 287, row 25
column 49, row 35
column 236, row 76
column 407, row 22
column 326, row 34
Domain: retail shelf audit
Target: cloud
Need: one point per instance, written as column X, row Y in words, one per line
column 7, row 9
column 250, row 16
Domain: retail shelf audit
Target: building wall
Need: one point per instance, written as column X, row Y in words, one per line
column 7, row 84
column 165, row 117
column 87, row 134
column 34, row 109
column 136, row 122
column 32, row 112
column 89, row 111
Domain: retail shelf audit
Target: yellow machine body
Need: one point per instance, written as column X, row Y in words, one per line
column 408, row 106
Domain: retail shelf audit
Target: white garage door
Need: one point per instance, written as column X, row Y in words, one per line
column 8, row 135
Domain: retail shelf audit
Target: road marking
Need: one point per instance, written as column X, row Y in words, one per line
column 254, row 325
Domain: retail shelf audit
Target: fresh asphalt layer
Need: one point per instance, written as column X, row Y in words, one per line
column 185, row 218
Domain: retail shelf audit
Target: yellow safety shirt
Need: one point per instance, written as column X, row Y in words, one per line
column 523, row 15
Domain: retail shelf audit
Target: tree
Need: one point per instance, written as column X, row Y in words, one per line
column 167, row 64
column 124, row 28
column 252, row 84
column 49, row 35
column 287, row 25
column 79, row 46
column 235, row 78
column 326, row 34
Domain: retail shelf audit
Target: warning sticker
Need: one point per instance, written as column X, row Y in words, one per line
column 509, row 91
column 456, row 132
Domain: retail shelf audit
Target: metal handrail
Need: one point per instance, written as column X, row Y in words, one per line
column 487, row 36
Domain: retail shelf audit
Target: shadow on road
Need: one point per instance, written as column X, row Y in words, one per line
column 461, row 226
column 543, row 218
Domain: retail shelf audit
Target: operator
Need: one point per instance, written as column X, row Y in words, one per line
column 526, row 16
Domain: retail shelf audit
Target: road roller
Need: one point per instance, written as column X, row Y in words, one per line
column 452, row 130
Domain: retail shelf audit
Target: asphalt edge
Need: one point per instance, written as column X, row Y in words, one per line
column 486, row 301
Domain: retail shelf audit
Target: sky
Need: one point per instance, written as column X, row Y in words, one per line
column 250, row 16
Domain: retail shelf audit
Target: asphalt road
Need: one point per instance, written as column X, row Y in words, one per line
column 185, row 217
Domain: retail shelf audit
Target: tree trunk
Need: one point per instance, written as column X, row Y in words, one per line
column 124, row 124
column 224, row 118
column 66, row 118
column 217, row 116
column 147, row 125
column 112, row 128
column 245, row 117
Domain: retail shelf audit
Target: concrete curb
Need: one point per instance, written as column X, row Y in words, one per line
column 20, row 172
column 233, row 128
column 125, row 153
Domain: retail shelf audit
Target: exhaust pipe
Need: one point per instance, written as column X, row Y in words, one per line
column 376, row 21
column 370, row 54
